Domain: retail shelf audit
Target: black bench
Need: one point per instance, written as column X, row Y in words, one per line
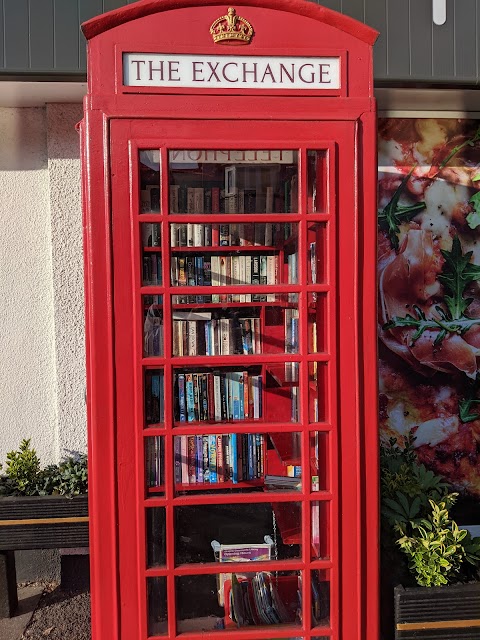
column 39, row 522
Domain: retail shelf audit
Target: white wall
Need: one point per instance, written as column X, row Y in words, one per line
column 41, row 289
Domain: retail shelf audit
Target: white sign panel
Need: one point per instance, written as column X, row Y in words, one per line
column 230, row 72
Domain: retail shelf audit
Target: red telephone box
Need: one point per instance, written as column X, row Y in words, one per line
column 229, row 178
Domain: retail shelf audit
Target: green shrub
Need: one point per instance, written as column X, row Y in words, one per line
column 24, row 476
column 415, row 505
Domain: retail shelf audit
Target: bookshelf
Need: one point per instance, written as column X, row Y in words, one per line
column 227, row 324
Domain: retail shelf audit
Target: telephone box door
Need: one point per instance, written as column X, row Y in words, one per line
column 236, row 422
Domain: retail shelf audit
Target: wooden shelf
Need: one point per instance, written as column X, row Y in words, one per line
column 249, row 248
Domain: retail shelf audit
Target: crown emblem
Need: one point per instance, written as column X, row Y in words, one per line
column 231, row 29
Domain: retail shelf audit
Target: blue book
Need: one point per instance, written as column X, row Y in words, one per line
column 250, row 465
column 189, row 392
column 181, row 398
column 212, row 450
column 235, row 395
column 208, row 346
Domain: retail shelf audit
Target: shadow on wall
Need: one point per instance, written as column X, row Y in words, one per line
column 24, row 140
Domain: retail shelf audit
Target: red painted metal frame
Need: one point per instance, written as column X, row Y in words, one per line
column 116, row 125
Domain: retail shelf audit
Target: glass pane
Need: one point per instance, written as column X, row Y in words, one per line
column 317, row 322
column 233, row 181
column 151, row 255
column 154, row 397
column 258, row 599
column 153, row 326
column 317, row 391
column 320, row 598
column 155, row 465
column 319, row 461
column 156, row 537
column 149, row 174
column 262, row 392
column 199, row 329
column 317, row 194
column 271, row 526
column 317, row 253
column 157, row 606
column 320, row 533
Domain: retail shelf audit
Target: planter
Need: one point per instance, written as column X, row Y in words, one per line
column 438, row 613
column 43, row 522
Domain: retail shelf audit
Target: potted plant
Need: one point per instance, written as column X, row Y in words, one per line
column 435, row 560
column 43, row 508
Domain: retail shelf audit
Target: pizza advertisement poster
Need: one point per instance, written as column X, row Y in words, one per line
column 429, row 293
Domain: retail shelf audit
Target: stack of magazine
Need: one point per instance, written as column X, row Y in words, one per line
column 256, row 601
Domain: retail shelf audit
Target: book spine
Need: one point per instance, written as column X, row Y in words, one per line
column 215, row 270
column 217, row 387
column 255, row 276
column 211, row 396
column 199, row 459
column 220, row 460
column 224, row 235
column 192, row 338
column 206, row 459
column 184, row 457
column 227, row 469
column 212, row 450
column 178, row 459
column 198, row 235
column 196, row 396
column 215, row 200
column 192, row 478
column 223, row 392
column 182, row 199
column 199, row 276
column 208, row 235
column 234, row 458
column 215, row 235
column 183, row 236
column 181, row 398
column 204, row 397
column 190, row 398
column 263, row 275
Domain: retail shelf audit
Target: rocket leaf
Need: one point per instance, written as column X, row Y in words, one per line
column 391, row 217
column 473, row 218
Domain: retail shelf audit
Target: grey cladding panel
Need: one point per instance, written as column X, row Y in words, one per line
column 41, row 35
column 466, row 62
column 16, row 34
column 376, row 17
column 421, row 38
column 356, row 9
column 444, row 46
column 67, row 35
column 398, row 60
column 110, row 5
column 336, row 5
